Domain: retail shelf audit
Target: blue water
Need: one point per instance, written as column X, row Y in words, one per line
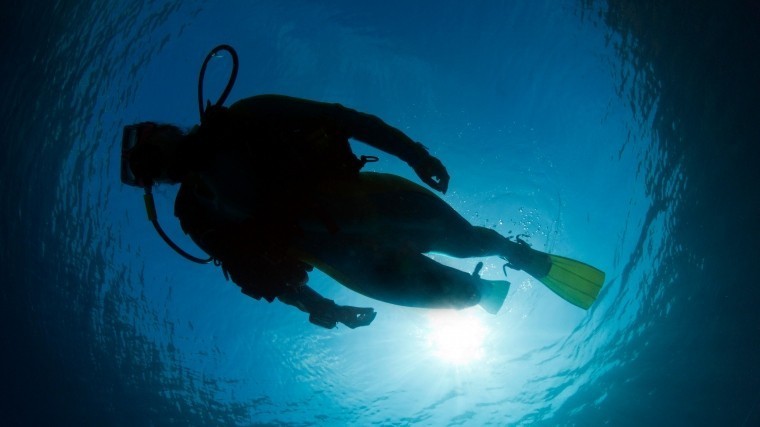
column 622, row 133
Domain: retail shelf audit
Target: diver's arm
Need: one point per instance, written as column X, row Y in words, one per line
column 375, row 132
column 324, row 312
column 352, row 124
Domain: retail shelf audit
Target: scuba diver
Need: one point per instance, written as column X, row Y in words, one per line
column 271, row 189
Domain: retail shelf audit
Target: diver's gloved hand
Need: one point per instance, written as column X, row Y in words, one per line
column 353, row 317
column 329, row 314
column 432, row 172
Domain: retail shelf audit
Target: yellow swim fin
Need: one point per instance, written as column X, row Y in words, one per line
column 576, row 282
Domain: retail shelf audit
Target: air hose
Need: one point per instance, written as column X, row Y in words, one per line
column 150, row 207
column 150, row 204
column 230, row 82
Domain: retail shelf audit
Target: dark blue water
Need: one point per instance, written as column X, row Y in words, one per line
column 622, row 133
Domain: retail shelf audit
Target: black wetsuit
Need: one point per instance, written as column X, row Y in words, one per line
column 252, row 169
column 274, row 189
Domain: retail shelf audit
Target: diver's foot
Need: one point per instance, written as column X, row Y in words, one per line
column 522, row 257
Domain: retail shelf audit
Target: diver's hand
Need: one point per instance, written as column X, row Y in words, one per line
column 432, row 172
column 353, row 317
column 329, row 314
column 324, row 320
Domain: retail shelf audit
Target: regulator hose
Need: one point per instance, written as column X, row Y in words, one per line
column 230, row 82
column 150, row 204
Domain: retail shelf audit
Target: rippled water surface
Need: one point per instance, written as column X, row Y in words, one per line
column 622, row 133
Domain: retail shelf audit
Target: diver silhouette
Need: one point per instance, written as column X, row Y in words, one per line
column 270, row 189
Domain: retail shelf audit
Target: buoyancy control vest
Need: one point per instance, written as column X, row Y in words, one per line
column 251, row 184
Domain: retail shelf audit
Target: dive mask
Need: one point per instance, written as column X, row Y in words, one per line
column 133, row 136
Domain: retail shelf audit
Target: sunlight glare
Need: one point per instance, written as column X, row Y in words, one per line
column 456, row 337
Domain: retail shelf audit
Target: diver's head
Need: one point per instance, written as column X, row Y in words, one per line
column 149, row 154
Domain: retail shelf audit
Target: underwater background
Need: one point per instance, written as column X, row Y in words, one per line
column 623, row 133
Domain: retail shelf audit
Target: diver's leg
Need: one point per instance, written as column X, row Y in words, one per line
column 474, row 241
column 393, row 275
column 448, row 233
column 427, row 224
column 399, row 213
